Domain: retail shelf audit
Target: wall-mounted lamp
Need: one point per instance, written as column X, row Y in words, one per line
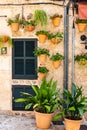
column 4, row 50
column 84, row 38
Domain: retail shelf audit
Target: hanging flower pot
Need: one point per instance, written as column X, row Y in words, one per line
column 41, row 76
column 43, row 58
column 29, row 28
column 55, row 41
column 56, row 63
column 14, row 27
column 29, row 25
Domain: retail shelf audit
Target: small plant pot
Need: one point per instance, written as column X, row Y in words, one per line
column 29, row 28
column 55, row 41
column 42, row 38
column 82, row 62
column 41, row 76
column 43, row 120
column 56, row 21
column 15, row 27
column 5, row 39
column 56, row 63
column 81, row 27
column 72, row 124
column 43, row 58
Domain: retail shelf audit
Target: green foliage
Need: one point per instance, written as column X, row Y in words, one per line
column 40, row 51
column 57, row 56
column 80, row 21
column 56, row 15
column 30, row 22
column 58, row 35
column 74, row 105
column 4, row 38
column 46, row 98
column 40, row 16
column 42, row 32
column 42, row 69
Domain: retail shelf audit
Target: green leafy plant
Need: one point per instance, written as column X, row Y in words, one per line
column 30, row 22
column 58, row 35
column 46, row 98
column 4, row 39
column 80, row 21
column 40, row 51
column 40, row 16
column 42, row 69
column 56, row 15
column 42, row 32
column 57, row 56
column 73, row 105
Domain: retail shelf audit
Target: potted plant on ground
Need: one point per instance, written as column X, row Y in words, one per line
column 15, row 23
column 81, row 59
column 56, row 19
column 45, row 102
column 57, row 58
column 81, row 24
column 42, row 53
column 42, row 72
column 74, row 106
column 55, row 37
column 42, row 35
column 40, row 17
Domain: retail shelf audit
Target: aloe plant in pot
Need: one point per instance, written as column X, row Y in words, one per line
column 73, row 107
column 45, row 102
column 42, row 53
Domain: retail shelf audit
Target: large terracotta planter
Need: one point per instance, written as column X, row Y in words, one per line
column 55, row 41
column 14, row 27
column 41, row 76
column 56, row 21
column 42, row 38
column 72, row 124
column 29, row 28
column 43, row 120
column 56, row 63
column 81, row 27
column 42, row 58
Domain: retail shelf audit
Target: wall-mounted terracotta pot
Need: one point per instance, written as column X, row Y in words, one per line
column 14, row 27
column 81, row 26
column 29, row 28
column 41, row 76
column 56, row 63
column 42, row 58
column 55, row 41
column 42, row 38
column 56, row 21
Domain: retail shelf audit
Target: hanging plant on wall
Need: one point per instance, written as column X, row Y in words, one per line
column 82, row 59
column 40, row 17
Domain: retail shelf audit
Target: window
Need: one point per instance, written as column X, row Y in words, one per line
column 24, row 63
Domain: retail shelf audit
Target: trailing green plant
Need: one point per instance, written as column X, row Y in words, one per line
column 40, row 16
column 46, row 98
column 58, row 35
column 42, row 32
column 57, row 56
column 73, row 105
column 42, row 69
column 40, row 51
column 56, row 15
column 80, row 21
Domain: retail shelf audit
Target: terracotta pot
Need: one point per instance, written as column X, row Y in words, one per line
column 42, row 38
column 42, row 58
column 5, row 38
column 43, row 120
column 56, row 63
column 41, row 76
column 55, row 41
column 72, row 124
column 81, row 27
column 82, row 62
column 56, row 21
column 30, row 28
column 15, row 27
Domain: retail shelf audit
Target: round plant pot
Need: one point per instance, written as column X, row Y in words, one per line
column 29, row 28
column 41, row 76
column 55, row 41
column 5, row 38
column 43, row 120
column 81, row 27
column 42, row 58
column 72, row 124
column 56, row 21
column 56, row 63
column 15, row 27
column 42, row 38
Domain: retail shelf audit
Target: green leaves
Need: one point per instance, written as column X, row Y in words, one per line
column 40, row 51
column 57, row 56
column 42, row 69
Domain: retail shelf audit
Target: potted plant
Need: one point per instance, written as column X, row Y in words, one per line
column 74, row 105
column 45, row 102
column 15, row 23
column 29, row 25
column 57, row 58
column 55, row 37
column 56, row 19
column 40, row 17
column 81, row 59
column 81, row 24
column 42, row 35
column 42, row 72
column 42, row 53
